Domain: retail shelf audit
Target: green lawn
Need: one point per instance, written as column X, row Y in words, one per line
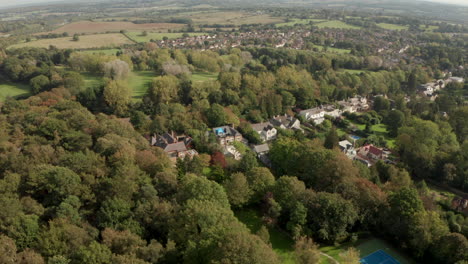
column 204, row 76
column 8, row 89
column 103, row 51
column 381, row 130
column 137, row 36
column 299, row 21
column 353, row 71
column 336, row 24
column 139, row 81
column 282, row 244
column 92, row 80
column 392, row 26
column 430, row 28
column 333, row 50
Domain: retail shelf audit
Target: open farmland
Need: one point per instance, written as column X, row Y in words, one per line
column 89, row 27
column 231, row 18
column 300, row 22
column 137, row 36
column 336, row 24
column 85, row 42
column 392, row 26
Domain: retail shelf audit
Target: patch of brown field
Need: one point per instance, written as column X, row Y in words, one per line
column 102, row 27
column 228, row 18
column 85, row 42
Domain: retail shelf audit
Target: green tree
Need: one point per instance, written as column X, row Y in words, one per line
column 394, row 121
column 117, row 95
column 331, row 141
column 330, row 216
column 39, row 83
column 216, row 115
column 237, row 189
column 306, row 251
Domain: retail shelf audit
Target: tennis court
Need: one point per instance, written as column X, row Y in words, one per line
column 379, row 257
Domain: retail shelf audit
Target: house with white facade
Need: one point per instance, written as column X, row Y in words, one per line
column 266, row 131
column 316, row 115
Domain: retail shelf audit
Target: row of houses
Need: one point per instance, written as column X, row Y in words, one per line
column 352, row 105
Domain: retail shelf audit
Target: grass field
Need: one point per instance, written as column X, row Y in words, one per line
column 332, row 50
column 353, row 71
column 204, row 76
column 429, row 28
column 85, row 42
column 8, row 89
column 381, row 130
column 102, row 51
column 392, row 26
column 230, row 17
column 139, row 81
column 336, row 24
column 138, row 37
column 299, row 21
column 92, row 80
column 102, row 27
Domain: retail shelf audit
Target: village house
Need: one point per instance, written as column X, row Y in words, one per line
column 286, row 122
column 266, row 131
column 370, row 154
column 347, row 148
column 176, row 147
column 355, row 104
column 226, row 135
column 316, row 115
column 262, row 153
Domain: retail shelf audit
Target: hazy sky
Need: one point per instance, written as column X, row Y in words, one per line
column 5, row 3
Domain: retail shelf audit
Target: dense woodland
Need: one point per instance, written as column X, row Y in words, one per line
column 80, row 183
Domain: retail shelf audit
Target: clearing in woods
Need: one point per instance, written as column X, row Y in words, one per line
column 8, row 89
column 85, row 42
column 89, row 27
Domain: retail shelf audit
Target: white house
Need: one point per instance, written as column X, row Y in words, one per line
column 316, row 114
column 266, row 130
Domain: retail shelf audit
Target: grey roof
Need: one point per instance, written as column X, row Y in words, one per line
column 285, row 120
column 262, row 126
column 226, row 131
column 261, row 148
column 179, row 146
